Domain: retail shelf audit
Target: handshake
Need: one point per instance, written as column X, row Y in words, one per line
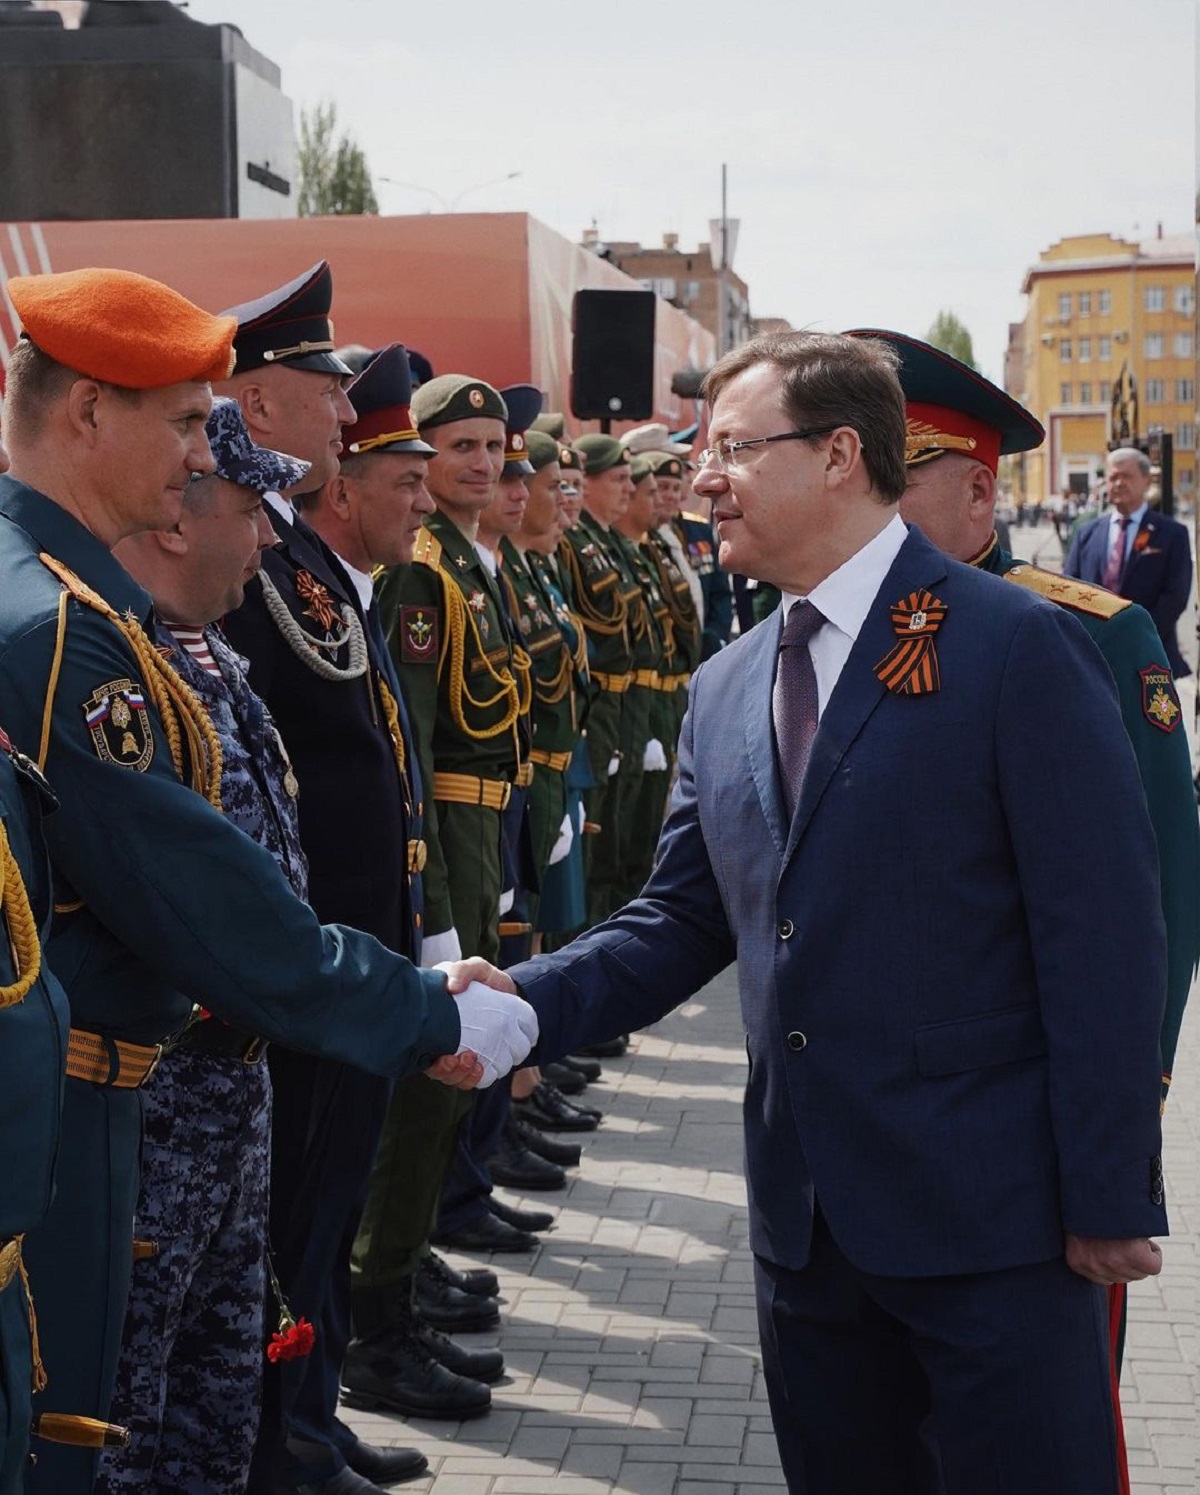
column 498, row 1026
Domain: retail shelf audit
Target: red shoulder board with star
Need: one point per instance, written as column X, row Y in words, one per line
column 1160, row 700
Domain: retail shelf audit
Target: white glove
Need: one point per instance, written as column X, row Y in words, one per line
column 654, row 759
column 439, row 948
column 582, row 817
column 566, row 834
column 506, row 900
column 614, row 763
column 499, row 1028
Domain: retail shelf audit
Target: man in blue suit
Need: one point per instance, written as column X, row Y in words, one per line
column 1140, row 554
column 952, row 1128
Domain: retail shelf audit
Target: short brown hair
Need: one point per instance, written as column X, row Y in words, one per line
column 35, row 381
column 831, row 380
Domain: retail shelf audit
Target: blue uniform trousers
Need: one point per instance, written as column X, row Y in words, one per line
column 325, row 1132
column 468, row 1186
column 78, row 1260
column 14, row 1388
column 190, row 1375
column 982, row 1384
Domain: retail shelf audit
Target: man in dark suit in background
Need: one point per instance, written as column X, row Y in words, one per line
column 1137, row 553
column 952, row 1127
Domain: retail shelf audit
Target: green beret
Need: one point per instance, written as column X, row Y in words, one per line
column 540, row 449
column 600, row 453
column 553, row 422
column 452, row 397
column 641, row 467
column 664, row 464
column 569, row 459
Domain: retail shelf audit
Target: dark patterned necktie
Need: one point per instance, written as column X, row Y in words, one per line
column 794, row 701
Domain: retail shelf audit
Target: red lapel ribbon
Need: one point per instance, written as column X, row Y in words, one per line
column 911, row 667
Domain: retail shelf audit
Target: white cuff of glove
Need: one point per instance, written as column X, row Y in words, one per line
column 654, row 759
column 439, row 948
column 566, row 835
column 614, row 764
column 497, row 1027
column 506, row 900
column 582, row 817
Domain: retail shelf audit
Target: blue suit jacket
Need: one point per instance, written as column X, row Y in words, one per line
column 946, row 1043
column 1157, row 575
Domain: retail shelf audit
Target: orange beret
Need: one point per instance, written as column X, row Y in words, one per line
column 123, row 328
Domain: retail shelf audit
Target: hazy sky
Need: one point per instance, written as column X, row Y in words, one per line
column 886, row 160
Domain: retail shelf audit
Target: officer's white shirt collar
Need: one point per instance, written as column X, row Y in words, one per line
column 1135, row 520
column 281, row 506
column 363, row 584
column 845, row 598
column 488, row 557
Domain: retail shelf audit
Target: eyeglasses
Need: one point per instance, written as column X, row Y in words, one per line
column 724, row 453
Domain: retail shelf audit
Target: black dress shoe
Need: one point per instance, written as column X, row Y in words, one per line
column 517, row 1167
column 553, row 1112
column 486, row 1234
column 445, row 1306
column 565, row 1154
column 612, row 1048
column 520, row 1219
column 394, row 1372
column 385, row 1466
column 344, row 1482
column 569, row 1081
column 476, row 1365
column 589, row 1068
column 480, row 1282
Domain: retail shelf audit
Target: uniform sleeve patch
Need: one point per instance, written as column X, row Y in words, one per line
column 1160, row 700
column 418, row 635
column 119, row 725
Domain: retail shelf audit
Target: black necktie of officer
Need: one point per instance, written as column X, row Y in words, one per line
column 794, row 701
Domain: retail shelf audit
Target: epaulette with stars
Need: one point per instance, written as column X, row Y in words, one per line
column 1068, row 592
column 428, row 550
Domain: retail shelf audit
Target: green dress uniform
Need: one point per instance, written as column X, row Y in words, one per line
column 686, row 630
column 601, row 599
column 1125, row 634
column 466, row 687
column 555, row 724
column 33, row 1036
column 646, row 715
column 700, row 542
column 160, row 904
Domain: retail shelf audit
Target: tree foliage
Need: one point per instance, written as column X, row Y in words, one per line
column 949, row 334
column 334, row 176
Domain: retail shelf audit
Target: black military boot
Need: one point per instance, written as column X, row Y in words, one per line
column 569, row 1081
column 447, row 1307
column 393, row 1371
column 553, row 1112
column 476, row 1365
column 565, row 1154
column 480, row 1282
column 589, row 1068
column 516, row 1166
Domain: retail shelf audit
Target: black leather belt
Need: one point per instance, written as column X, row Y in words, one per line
column 220, row 1041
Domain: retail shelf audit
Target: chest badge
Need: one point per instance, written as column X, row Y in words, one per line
column 119, row 725
column 910, row 667
column 1160, row 702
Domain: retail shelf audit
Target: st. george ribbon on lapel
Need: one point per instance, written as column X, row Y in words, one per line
column 910, row 667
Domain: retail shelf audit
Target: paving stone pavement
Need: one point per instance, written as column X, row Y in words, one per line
column 630, row 1337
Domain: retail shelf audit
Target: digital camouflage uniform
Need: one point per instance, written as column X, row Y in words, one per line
column 189, row 1380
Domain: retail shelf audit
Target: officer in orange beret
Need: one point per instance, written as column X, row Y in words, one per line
column 161, row 903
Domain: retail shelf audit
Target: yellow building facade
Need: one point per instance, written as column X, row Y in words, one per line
column 1097, row 305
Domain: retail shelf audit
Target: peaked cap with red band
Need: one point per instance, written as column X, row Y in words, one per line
column 381, row 396
column 122, row 328
column 951, row 408
column 524, row 402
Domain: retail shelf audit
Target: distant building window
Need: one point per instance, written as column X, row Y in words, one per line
column 1105, row 390
column 1064, row 350
column 1104, row 351
column 1064, row 393
column 1185, row 477
column 1154, row 391
column 1085, row 350
column 1154, row 298
column 1185, row 300
column 1104, row 303
column 1085, row 394
column 1185, row 436
column 1085, row 303
column 1185, row 391
column 1064, row 305
column 1184, row 344
column 1152, row 347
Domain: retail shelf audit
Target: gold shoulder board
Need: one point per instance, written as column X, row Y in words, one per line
column 695, row 518
column 377, row 572
column 1068, row 592
column 428, row 550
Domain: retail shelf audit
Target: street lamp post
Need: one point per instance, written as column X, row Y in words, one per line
column 451, row 205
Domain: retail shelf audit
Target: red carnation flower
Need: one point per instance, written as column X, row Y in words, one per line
column 292, row 1341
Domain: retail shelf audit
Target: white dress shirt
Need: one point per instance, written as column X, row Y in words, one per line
column 1114, row 529
column 363, row 584
column 281, row 507
column 844, row 598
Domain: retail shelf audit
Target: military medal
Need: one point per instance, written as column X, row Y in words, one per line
column 320, row 604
